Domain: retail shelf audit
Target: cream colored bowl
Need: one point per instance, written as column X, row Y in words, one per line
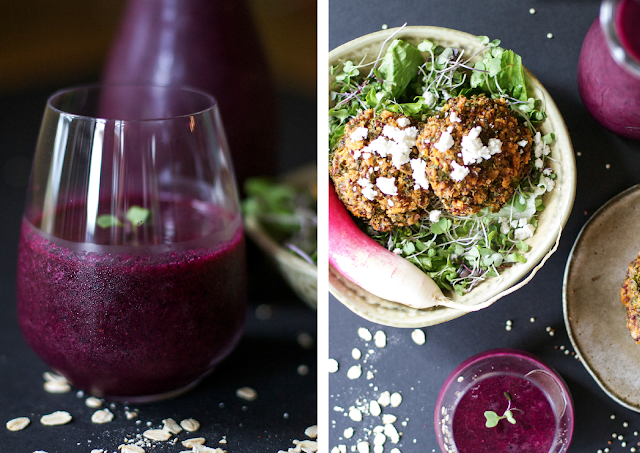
column 544, row 242
column 301, row 276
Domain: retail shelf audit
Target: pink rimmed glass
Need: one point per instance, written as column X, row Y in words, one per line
column 131, row 277
column 497, row 381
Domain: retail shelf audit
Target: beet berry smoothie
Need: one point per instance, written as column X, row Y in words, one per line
column 129, row 321
column 535, row 425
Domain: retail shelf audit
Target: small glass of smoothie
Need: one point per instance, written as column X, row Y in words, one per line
column 609, row 68
column 131, row 273
column 504, row 400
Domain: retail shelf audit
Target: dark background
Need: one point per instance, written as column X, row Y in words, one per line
column 418, row 372
column 45, row 46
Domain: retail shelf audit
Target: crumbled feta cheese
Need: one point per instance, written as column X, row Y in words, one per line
column 522, row 221
column 403, row 122
column 366, row 155
column 504, row 225
column 459, row 171
column 547, row 183
column 446, row 95
column 434, row 215
column 473, row 150
column 525, row 232
column 419, row 167
column 446, row 140
column 390, row 202
column 397, row 251
column 367, row 189
column 359, row 134
column 454, row 118
column 395, row 142
column 546, row 171
column 429, row 99
column 523, row 143
column 387, row 185
column 538, row 163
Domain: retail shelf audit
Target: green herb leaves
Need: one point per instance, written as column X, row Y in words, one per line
column 399, row 65
column 135, row 215
column 493, row 418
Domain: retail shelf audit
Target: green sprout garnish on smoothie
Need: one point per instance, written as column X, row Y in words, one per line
column 135, row 215
column 493, row 418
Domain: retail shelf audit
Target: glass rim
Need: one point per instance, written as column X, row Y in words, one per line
column 99, row 87
column 620, row 54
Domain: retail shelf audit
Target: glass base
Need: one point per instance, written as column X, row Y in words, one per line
column 152, row 398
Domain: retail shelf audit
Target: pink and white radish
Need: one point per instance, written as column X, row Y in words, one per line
column 375, row 269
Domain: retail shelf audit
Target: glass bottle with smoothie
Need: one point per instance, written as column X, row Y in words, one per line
column 131, row 270
column 609, row 68
column 501, row 401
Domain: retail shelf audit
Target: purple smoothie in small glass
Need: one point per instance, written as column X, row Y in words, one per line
column 535, row 425
column 132, row 321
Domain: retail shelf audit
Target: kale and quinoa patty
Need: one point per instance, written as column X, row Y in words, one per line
column 373, row 173
column 630, row 298
column 478, row 151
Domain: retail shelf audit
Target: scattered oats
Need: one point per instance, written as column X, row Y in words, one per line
column 396, row 399
column 378, row 449
column 223, row 440
column 608, row 166
column 305, row 340
column 354, row 372
column 311, row 432
column 635, row 433
column 384, row 399
column 552, row 333
column 614, row 435
column 56, row 387
column 80, row 394
column 355, row 414
column 549, row 35
column 418, row 336
column 380, row 339
column 363, row 447
column 625, row 424
column 246, row 393
column 93, row 402
column 507, row 328
column 333, row 365
column 370, row 375
column 623, row 444
column 56, row 418
column 384, row 26
column 348, row 433
column 171, row 426
column 509, row 322
column 620, row 437
column 97, row 450
column 356, row 353
column 190, row 443
column 102, row 416
column 392, row 433
column 39, row 451
column 613, row 416
column 53, row 377
column 131, row 415
column 460, row 378
column 157, row 434
column 18, row 424
column 264, row 312
column 364, row 333
column 374, row 408
column 388, row 418
column 396, row 450
column 532, row 10
column 124, row 448
column 532, row 319
column 303, row 370
column 190, row 425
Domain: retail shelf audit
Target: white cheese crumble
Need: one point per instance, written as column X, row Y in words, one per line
column 395, row 142
column 429, row 99
column 523, row 143
column 434, row 215
column 419, row 167
column 454, row 118
column 359, row 134
column 546, row 183
column 367, row 189
column 387, row 185
column 403, row 122
column 459, row 171
column 474, row 151
column 525, row 232
column 446, row 140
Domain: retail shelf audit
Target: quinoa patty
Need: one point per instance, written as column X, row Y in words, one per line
column 630, row 298
column 477, row 151
column 374, row 177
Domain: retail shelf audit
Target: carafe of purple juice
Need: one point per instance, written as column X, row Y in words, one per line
column 131, row 267
column 609, row 68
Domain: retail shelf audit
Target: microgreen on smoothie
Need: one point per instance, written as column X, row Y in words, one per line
column 493, row 418
column 135, row 215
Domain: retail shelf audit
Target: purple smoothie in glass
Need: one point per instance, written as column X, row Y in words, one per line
column 535, row 425
column 133, row 321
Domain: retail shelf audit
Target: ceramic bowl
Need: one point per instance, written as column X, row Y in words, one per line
column 544, row 242
column 301, row 276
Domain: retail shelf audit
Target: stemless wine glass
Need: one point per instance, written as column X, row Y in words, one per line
column 131, row 277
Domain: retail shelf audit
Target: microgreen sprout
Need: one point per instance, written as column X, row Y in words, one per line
column 493, row 418
column 135, row 215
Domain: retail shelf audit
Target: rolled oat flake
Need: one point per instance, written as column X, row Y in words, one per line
column 18, row 424
column 102, row 416
column 130, row 449
column 190, row 443
column 157, row 434
column 190, row 425
column 56, row 418
column 171, row 426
